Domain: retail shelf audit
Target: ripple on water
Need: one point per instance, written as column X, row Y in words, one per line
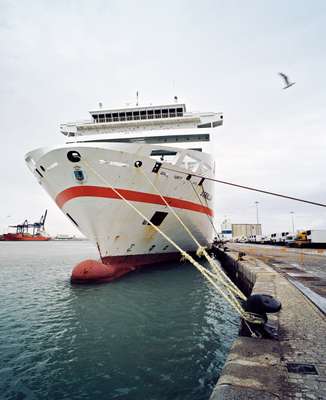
column 161, row 333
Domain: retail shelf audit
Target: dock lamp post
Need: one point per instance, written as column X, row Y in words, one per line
column 292, row 218
column 257, row 219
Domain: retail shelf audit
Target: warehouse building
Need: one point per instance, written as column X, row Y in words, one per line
column 246, row 230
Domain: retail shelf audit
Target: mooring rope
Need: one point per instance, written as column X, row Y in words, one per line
column 209, row 218
column 246, row 187
column 201, row 249
column 229, row 297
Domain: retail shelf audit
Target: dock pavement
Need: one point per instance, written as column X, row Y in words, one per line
column 304, row 268
column 294, row 366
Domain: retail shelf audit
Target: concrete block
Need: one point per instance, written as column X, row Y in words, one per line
column 227, row 392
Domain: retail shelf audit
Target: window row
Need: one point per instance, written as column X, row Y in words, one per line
column 138, row 115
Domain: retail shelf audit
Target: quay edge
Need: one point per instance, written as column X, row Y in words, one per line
column 258, row 368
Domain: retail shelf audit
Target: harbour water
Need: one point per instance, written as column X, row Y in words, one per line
column 160, row 333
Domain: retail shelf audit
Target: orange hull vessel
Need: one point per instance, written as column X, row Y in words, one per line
column 23, row 237
column 22, row 232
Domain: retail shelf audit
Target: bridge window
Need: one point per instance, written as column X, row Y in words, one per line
column 172, row 112
column 143, row 114
column 180, row 112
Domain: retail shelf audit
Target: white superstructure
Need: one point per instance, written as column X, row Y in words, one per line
column 98, row 160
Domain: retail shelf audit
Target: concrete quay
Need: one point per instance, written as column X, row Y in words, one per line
column 293, row 367
column 305, row 268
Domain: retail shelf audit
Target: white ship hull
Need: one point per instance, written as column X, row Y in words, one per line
column 124, row 239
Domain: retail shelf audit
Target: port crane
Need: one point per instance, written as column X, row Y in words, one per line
column 37, row 227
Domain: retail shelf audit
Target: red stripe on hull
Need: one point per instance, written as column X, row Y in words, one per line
column 131, row 195
column 114, row 267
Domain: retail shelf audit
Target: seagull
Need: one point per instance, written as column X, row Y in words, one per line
column 286, row 80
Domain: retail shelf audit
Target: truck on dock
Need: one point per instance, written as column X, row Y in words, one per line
column 316, row 236
column 309, row 238
column 278, row 238
column 259, row 239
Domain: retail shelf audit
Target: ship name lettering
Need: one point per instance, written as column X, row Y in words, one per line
column 206, row 195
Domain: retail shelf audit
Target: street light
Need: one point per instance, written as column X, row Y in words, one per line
column 257, row 219
column 258, row 231
column 292, row 217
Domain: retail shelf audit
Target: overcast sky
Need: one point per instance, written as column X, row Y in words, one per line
column 59, row 59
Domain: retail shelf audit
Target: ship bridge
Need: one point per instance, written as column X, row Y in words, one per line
column 139, row 114
column 138, row 118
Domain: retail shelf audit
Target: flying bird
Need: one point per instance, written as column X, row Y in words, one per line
column 286, row 80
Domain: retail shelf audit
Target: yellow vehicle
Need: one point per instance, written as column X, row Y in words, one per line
column 302, row 236
column 298, row 240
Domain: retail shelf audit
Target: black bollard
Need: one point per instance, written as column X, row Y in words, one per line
column 261, row 304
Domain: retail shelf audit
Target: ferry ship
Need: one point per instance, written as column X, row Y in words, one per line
column 149, row 157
